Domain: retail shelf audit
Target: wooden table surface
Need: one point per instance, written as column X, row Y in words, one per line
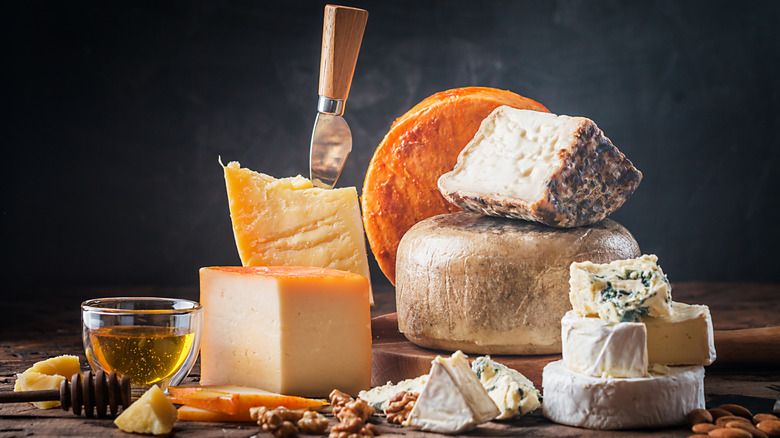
column 38, row 324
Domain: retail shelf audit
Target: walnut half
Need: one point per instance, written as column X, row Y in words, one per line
column 399, row 406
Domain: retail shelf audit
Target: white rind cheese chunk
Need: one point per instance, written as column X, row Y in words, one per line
column 511, row 391
column 379, row 397
column 620, row 291
column 598, row 348
column 683, row 338
column 578, row 400
column 453, row 400
column 558, row 170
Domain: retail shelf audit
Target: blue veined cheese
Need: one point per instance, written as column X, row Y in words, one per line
column 578, row 400
column 380, row 396
column 599, row 348
column 453, row 400
column 621, row 291
column 511, row 391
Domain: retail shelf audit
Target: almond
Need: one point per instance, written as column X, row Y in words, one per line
column 737, row 410
column 748, row 427
column 704, row 427
column 718, row 412
column 761, row 417
column 697, row 416
column 721, row 421
column 770, row 427
column 730, row 432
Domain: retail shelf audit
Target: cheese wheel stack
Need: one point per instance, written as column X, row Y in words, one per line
column 631, row 356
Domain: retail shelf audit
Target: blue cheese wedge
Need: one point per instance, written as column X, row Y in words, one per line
column 453, row 400
column 598, row 348
column 511, row 391
column 621, row 291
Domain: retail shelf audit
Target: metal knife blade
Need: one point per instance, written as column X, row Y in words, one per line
column 331, row 138
column 331, row 143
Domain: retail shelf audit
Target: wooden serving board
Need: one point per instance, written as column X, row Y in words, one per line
column 395, row 358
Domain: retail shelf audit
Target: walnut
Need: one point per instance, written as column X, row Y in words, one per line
column 354, row 427
column 399, row 406
column 279, row 421
column 313, row 423
column 344, row 405
column 352, row 415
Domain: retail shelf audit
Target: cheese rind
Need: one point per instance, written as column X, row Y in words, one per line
column 289, row 222
column 512, row 392
column 291, row 330
column 683, row 338
column 620, row 291
column 379, row 397
column 453, row 400
column 558, row 170
column 598, row 348
column 578, row 400
column 489, row 285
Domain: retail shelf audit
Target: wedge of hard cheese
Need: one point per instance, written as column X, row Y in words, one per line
column 290, row 330
column 558, row 170
column 290, row 222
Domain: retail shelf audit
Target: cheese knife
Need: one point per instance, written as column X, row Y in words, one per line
column 331, row 138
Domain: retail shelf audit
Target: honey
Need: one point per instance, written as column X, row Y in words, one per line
column 146, row 354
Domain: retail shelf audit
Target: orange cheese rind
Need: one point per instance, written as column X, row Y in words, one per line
column 231, row 402
column 400, row 188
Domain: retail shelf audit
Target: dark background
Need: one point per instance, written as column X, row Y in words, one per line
column 115, row 114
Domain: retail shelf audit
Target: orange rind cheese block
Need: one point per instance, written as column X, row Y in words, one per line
column 400, row 188
column 233, row 401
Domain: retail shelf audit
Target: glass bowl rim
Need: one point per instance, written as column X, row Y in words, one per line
column 94, row 305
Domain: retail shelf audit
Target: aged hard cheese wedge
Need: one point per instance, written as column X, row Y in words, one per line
column 512, row 392
column 400, row 187
column 292, row 330
column 683, row 338
column 290, row 222
column 453, row 400
column 621, row 291
column 151, row 414
column 490, row 285
column 578, row 400
column 598, row 348
column 558, row 170
column 47, row 374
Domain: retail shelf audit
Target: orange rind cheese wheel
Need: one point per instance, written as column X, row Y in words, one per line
column 400, row 187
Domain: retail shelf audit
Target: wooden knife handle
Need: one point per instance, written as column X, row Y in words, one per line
column 342, row 33
column 748, row 346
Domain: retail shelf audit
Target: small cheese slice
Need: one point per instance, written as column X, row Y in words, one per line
column 453, row 400
column 578, row 400
column 558, row 170
column 512, row 392
column 290, row 222
column 598, row 348
column 620, row 291
column 152, row 414
column 683, row 338
column 379, row 397
column 291, row 330
column 47, row 374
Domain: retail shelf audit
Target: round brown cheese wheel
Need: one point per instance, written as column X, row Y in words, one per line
column 488, row 285
column 400, row 188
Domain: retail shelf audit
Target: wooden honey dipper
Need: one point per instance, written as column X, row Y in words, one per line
column 99, row 392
